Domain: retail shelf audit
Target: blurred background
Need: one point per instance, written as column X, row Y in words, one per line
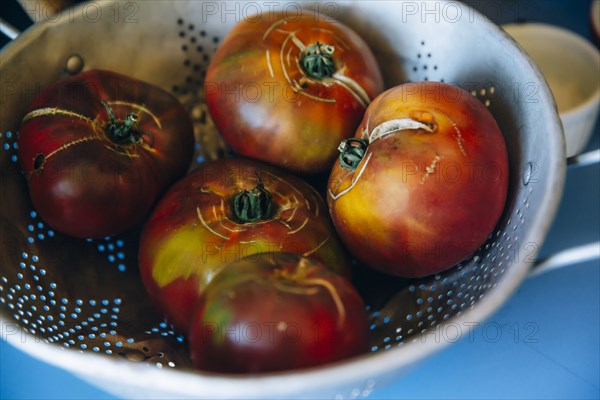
column 542, row 344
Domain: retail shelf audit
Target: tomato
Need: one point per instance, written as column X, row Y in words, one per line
column 423, row 182
column 98, row 148
column 220, row 212
column 277, row 311
column 286, row 89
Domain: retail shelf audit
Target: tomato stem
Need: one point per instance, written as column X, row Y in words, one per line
column 253, row 205
column 352, row 151
column 317, row 61
column 122, row 132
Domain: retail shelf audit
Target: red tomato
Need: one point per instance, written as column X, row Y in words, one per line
column 287, row 89
column 221, row 212
column 277, row 311
column 98, row 148
column 424, row 181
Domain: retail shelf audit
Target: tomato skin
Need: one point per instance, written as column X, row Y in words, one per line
column 255, row 96
column 420, row 202
column 83, row 183
column 192, row 231
column 272, row 312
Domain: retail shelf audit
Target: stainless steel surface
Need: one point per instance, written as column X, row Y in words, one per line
column 85, row 296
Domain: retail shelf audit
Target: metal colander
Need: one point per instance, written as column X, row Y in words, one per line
column 80, row 304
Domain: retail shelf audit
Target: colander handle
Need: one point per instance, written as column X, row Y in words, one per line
column 8, row 30
column 584, row 159
column 578, row 254
column 565, row 258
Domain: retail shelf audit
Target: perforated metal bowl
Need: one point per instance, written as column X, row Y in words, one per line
column 80, row 304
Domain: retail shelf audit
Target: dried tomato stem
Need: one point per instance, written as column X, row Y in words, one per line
column 352, row 151
column 317, row 61
column 122, row 132
column 252, row 205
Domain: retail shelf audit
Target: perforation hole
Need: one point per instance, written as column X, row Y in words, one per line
column 424, row 68
column 485, row 94
column 190, row 90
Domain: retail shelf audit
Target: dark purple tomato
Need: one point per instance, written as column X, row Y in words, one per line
column 221, row 212
column 98, row 148
column 286, row 89
column 278, row 311
column 424, row 181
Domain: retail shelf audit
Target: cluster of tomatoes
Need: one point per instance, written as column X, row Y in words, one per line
column 242, row 253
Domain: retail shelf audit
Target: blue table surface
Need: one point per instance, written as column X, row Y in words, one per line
column 542, row 344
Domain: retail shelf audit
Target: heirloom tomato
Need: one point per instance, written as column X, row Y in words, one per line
column 286, row 89
column 97, row 148
column 220, row 212
column 277, row 311
column 424, row 181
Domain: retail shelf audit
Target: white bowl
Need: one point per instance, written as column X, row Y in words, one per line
column 570, row 65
